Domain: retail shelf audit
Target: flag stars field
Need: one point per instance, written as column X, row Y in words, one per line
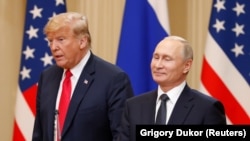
column 25, row 73
column 36, row 12
column 220, row 5
column 238, row 29
column 47, row 59
column 239, row 9
column 219, row 25
column 58, row 2
column 32, row 32
column 54, row 14
column 238, row 49
column 29, row 53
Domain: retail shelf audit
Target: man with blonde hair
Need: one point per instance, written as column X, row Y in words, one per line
column 82, row 96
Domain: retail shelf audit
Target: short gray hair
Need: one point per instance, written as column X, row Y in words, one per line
column 187, row 51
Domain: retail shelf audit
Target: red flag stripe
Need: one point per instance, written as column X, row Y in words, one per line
column 30, row 97
column 24, row 117
column 217, row 89
column 18, row 135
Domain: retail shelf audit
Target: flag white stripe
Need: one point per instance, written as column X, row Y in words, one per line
column 24, row 116
column 161, row 12
column 216, row 58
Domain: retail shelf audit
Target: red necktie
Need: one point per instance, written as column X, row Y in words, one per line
column 65, row 99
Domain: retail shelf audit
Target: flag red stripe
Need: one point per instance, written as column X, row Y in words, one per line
column 17, row 135
column 30, row 97
column 217, row 89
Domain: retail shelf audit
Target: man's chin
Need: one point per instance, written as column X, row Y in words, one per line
column 60, row 64
column 158, row 80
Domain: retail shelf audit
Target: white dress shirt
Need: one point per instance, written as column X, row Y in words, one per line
column 173, row 95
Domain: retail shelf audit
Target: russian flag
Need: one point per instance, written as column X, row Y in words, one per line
column 145, row 23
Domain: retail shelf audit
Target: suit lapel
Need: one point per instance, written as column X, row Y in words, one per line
column 80, row 91
column 182, row 107
column 148, row 108
column 51, row 94
column 53, row 88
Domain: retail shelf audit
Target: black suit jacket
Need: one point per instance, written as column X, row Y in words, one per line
column 95, row 108
column 192, row 108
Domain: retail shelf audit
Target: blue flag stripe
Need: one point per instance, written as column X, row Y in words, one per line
column 141, row 31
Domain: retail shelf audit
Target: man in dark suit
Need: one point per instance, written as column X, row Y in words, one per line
column 171, row 62
column 98, row 89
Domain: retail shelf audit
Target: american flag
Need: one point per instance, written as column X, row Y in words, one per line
column 226, row 64
column 35, row 57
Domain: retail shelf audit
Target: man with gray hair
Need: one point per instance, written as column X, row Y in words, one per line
column 173, row 102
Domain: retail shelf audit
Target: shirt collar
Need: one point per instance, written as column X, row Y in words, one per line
column 173, row 94
column 77, row 70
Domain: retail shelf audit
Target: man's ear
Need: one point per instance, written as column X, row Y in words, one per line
column 188, row 65
column 83, row 42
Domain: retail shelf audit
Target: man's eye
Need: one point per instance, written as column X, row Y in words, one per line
column 168, row 59
column 61, row 39
column 156, row 57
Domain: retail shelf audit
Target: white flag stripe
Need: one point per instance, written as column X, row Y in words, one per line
column 161, row 13
column 24, row 116
column 216, row 58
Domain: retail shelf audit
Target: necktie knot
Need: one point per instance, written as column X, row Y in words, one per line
column 164, row 97
column 68, row 73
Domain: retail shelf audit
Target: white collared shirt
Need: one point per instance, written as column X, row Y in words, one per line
column 76, row 72
column 173, row 95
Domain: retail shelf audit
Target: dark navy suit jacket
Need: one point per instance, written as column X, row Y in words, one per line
column 192, row 108
column 95, row 108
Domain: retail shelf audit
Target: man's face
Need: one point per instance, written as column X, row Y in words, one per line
column 167, row 64
column 65, row 47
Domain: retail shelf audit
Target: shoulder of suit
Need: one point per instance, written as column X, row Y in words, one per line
column 144, row 96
